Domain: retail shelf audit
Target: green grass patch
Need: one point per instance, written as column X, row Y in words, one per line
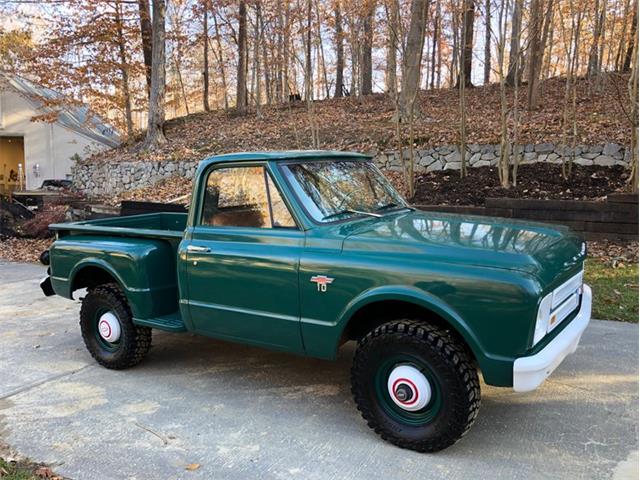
column 615, row 290
column 13, row 471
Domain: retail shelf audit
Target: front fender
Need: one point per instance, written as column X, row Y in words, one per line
column 416, row 297
column 323, row 339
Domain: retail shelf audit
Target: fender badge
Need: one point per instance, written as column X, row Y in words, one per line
column 322, row 281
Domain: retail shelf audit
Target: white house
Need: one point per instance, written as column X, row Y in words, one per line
column 31, row 149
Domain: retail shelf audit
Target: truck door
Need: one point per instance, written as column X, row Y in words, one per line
column 242, row 260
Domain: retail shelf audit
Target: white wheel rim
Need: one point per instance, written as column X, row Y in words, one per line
column 109, row 327
column 409, row 388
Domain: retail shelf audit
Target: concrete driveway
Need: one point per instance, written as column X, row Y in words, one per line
column 244, row 413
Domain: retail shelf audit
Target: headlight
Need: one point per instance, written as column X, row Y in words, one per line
column 542, row 320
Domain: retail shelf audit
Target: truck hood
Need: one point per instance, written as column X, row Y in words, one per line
column 546, row 251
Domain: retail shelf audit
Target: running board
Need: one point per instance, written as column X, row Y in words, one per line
column 169, row 323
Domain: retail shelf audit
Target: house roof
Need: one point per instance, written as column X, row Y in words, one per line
column 78, row 118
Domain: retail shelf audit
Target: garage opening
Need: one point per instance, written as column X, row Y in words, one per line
column 12, row 167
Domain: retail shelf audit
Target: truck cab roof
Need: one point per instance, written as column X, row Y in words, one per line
column 302, row 155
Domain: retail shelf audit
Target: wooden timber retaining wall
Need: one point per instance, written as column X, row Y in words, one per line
column 615, row 218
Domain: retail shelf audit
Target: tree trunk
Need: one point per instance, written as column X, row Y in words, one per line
column 630, row 48
column 411, row 63
column 155, row 129
column 391, row 76
column 205, row 70
column 308, row 67
column 321, row 59
column 268, row 89
column 339, row 50
column 487, row 42
column 466, row 42
column 436, row 44
column 623, row 36
column 463, row 110
column 514, row 48
column 285, row 53
column 594, row 52
column 535, row 53
column 633, row 97
column 256, row 58
column 241, row 87
column 145, row 32
column 221, row 63
column 124, row 71
column 367, row 65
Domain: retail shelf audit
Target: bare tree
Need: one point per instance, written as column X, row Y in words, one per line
column 630, row 48
column 205, row 54
column 462, row 83
column 623, row 36
column 308, row 66
column 256, row 58
column 321, row 60
column 155, row 129
column 412, row 58
column 391, row 78
column 435, row 60
column 535, row 52
column 516, row 28
column 145, row 31
column 241, row 87
column 367, row 65
column 505, row 147
column 220, row 61
column 124, row 70
column 339, row 50
column 633, row 96
column 572, row 52
column 487, row 42
column 466, row 42
column 594, row 52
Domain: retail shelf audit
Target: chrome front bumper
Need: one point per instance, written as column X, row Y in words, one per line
column 529, row 372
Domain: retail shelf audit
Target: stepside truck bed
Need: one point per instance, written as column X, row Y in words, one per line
column 137, row 252
column 151, row 225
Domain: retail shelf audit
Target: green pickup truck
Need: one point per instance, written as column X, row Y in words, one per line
column 305, row 251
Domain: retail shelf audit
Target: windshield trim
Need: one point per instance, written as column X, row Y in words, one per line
column 354, row 216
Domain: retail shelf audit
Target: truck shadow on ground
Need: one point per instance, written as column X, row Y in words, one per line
column 305, row 385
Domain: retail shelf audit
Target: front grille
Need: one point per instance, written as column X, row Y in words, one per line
column 566, row 299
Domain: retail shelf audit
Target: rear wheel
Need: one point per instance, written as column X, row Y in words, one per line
column 415, row 385
column 108, row 330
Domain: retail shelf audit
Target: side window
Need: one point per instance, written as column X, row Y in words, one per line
column 239, row 197
column 279, row 211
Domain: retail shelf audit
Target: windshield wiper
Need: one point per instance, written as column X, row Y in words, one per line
column 392, row 205
column 351, row 210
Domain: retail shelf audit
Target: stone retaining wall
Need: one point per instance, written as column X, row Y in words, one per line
column 448, row 157
column 110, row 179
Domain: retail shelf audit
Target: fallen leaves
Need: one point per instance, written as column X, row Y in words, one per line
column 192, row 467
column 613, row 254
column 365, row 124
column 23, row 249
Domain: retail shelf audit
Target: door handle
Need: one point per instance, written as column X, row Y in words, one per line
column 197, row 249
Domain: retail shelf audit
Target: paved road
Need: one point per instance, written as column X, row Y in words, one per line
column 245, row 413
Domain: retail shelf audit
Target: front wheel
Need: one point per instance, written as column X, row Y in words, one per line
column 108, row 330
column 415, row 385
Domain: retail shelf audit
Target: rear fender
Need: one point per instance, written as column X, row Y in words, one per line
column 144, row 269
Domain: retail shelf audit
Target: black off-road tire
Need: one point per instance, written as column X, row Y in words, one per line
column 134, row 342
column 450, row 367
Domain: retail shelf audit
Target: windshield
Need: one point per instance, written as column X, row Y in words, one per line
column 333, row 190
